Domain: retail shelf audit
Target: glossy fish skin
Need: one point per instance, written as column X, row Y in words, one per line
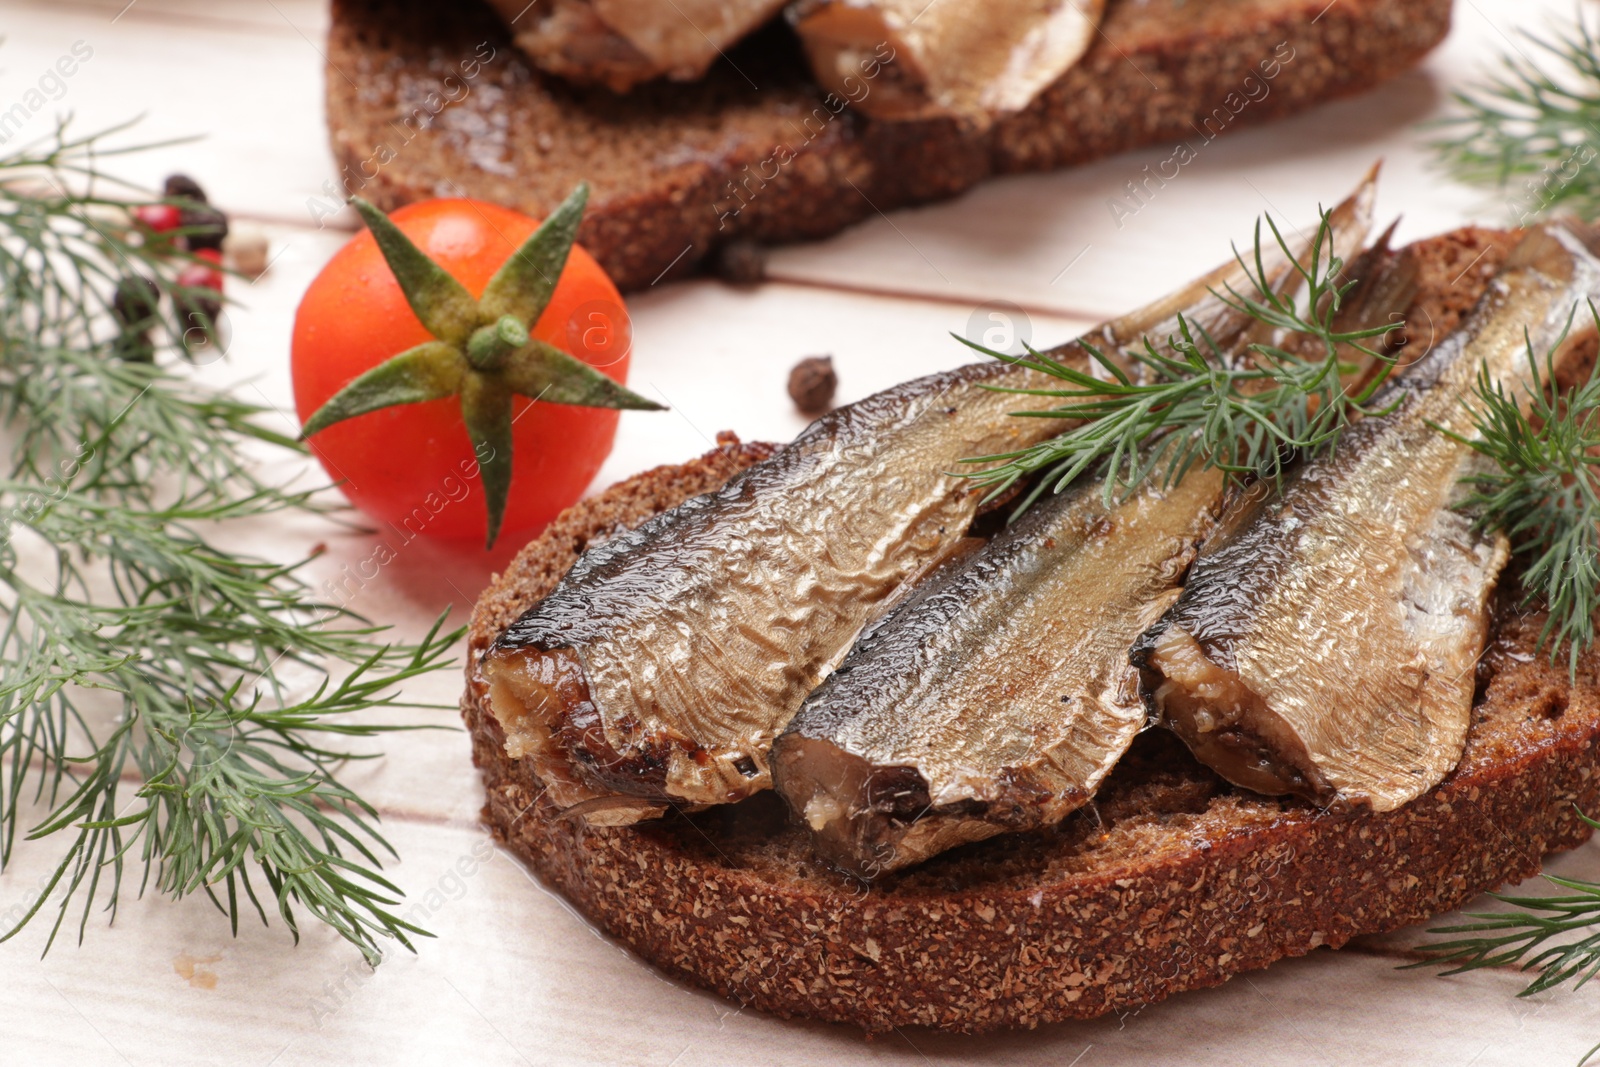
column 690, row 640
column 999, row 694
column 665, row 663
column 1325, row 641
column 967, row 58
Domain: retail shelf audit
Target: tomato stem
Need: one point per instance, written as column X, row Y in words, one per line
column 489, row 346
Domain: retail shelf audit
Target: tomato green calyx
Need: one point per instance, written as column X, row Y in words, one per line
column 483, row 351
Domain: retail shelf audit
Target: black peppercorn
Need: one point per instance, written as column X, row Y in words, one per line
column 812, row 383
column 740, row 262
column 135, row 309
column 204, row 225
column 183, row 187
column 200, row 317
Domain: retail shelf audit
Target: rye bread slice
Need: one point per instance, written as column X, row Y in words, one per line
column 1171, row 880
column 429, row 99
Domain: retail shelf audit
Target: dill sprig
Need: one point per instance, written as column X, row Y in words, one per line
column 1522, row 937
column 1543, row 490
column 177, row 706
column 1535, row 121
column 1189, row 401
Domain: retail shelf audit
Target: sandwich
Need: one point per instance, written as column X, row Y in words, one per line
column 826, row 729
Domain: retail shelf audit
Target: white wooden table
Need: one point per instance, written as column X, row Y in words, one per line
column 514, row 976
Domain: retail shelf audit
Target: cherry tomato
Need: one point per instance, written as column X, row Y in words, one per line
column 413, row 466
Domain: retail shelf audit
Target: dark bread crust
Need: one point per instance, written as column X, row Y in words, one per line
column 678, row 170
column 1170, row 881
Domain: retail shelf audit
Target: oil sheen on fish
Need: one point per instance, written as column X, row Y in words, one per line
column 665, row 663
column 1325, row 641
column 999, row 695
column 669, row 656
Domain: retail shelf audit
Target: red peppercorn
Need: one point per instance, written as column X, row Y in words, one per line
column 202, row 275
column 158, row 218
column 199, row 314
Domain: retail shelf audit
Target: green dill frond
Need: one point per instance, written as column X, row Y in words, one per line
column 1532, row 127
column 213, row 774
column 1166, row 407
column 1543, row 490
